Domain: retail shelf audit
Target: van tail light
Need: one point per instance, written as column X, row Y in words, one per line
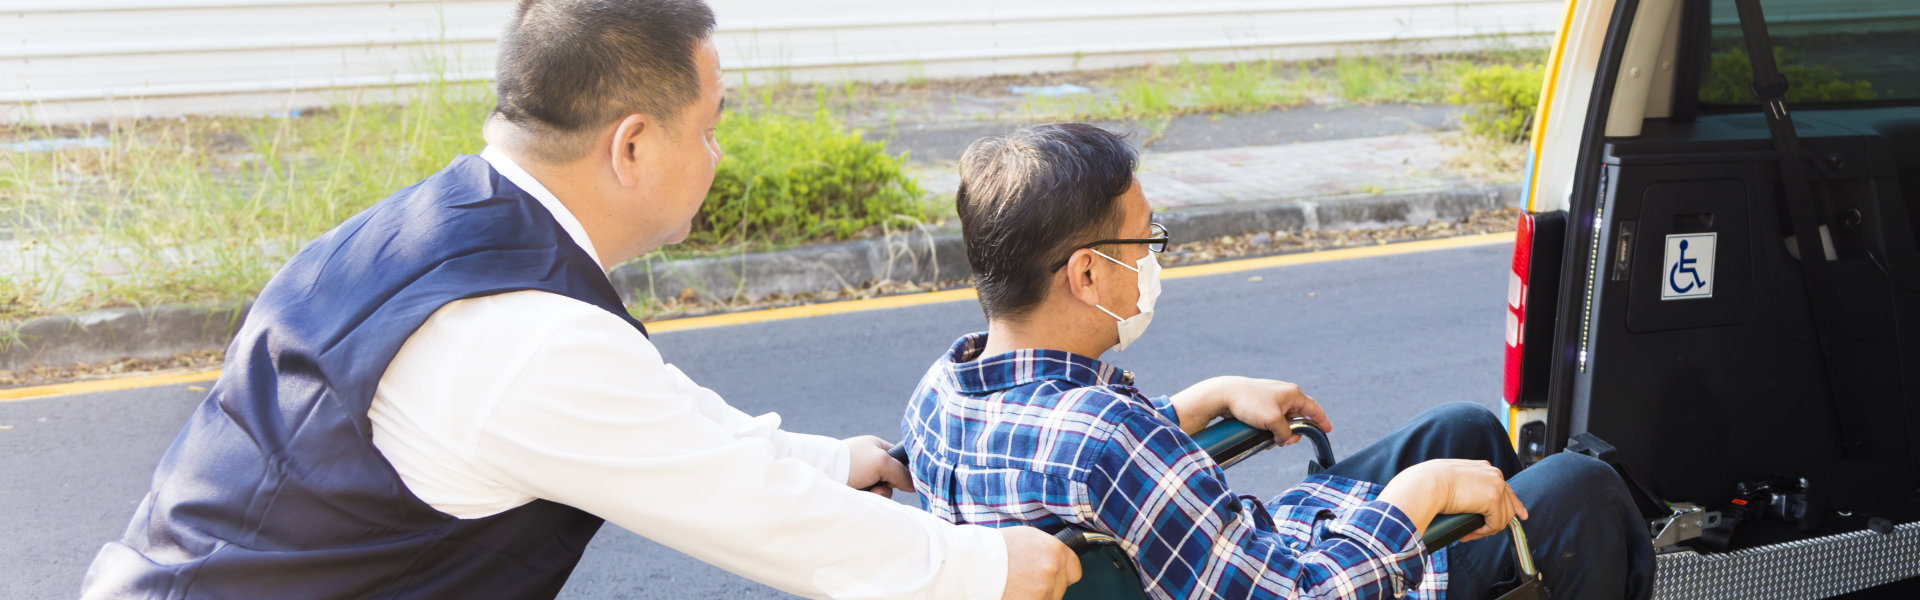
column 1533, row 282
column 1517, row 280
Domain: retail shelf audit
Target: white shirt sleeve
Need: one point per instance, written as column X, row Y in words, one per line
column 503, row 399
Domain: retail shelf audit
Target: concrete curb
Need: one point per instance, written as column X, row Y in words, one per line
column 935, row 256
column 924, row 256
column 111, row 334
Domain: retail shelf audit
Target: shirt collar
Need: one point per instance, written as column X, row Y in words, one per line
column 520, row 177
column 975, row 374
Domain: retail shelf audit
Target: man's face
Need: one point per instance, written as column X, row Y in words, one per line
column 1120, row 283
column 681, row 161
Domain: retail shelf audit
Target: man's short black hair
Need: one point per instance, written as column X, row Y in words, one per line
column 1030, row 198
column 567, row 67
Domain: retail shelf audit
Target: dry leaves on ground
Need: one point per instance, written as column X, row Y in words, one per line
column 190, row 361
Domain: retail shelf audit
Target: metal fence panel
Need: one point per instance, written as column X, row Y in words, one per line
column 89, row 60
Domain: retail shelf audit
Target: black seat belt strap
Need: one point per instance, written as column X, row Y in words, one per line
column 1771, row 88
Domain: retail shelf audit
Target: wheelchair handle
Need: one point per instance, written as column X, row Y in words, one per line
column 1081, row 540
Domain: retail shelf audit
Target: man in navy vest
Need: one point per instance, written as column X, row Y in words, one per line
column 444, row 396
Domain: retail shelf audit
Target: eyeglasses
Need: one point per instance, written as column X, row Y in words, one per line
column 1156, row 244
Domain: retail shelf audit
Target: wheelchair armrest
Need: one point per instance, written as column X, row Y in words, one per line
column 1447, row 529
column 1230, row 441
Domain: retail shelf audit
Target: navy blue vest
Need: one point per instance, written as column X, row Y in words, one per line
column 274, row 488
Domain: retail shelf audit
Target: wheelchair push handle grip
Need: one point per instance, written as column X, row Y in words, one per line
column 1075, row 539
column 1081, row 540
column 899, row 453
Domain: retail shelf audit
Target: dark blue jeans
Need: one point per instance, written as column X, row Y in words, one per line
column 1586, row 537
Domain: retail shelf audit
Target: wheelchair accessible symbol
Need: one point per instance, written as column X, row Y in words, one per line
column 1689, row 267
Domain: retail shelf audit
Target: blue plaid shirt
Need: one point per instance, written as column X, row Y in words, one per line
column 1051, row 439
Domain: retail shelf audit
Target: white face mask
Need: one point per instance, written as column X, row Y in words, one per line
column 1149, row 282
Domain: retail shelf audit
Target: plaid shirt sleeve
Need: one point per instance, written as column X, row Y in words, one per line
column 1154, row 489
column 1164, row 406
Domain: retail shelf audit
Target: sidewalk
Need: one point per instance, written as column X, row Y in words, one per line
column 1292, row 172
column 1201, row 194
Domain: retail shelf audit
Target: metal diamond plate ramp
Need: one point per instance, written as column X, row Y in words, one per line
column 1812, row 568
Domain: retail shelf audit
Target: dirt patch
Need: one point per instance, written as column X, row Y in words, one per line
column 192, row 361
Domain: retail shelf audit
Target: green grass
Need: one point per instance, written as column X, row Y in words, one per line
column 1153, row 92
column 206, row 209
column 1162, row 92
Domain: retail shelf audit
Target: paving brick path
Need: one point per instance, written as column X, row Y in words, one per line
column 1371, row 165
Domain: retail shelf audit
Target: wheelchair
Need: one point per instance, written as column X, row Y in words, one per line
column 1108, row 573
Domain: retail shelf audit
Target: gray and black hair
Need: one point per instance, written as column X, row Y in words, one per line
column 567, row 67
column 1030, row 198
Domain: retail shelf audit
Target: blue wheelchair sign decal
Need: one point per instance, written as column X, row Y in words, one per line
column 1688, row 271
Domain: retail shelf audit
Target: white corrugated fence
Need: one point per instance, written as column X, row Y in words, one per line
column 91, row 60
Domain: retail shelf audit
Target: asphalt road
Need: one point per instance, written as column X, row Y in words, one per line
column 1375, row 340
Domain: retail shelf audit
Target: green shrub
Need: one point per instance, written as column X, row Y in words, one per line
column 1503, row 100
column 1730, row 73
column 789, row 179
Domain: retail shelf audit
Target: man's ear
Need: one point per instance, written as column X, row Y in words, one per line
column 1081, row 277
column 627, row 149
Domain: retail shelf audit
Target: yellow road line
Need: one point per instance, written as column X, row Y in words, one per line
column 107, row 385
column 1235, row 266
column 1231, row 266
column 849, row 306
column 809, row 310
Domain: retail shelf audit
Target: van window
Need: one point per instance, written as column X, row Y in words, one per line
column 1831, row 51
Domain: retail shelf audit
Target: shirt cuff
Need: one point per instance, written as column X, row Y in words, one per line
column 1164, row 406
column 974, row 565
column 823, row 453
column 1387, row 532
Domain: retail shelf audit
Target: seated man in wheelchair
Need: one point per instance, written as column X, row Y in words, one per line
column 1023, row 424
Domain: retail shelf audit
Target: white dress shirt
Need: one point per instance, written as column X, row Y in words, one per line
column 498, row 400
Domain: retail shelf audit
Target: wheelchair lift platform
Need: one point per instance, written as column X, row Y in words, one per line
column 1811, row 568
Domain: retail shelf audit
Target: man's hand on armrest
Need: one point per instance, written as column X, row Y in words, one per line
column 1447, row 486
column 1263, row 403
column 1038, row 566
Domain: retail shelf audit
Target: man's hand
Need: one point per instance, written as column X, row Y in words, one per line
column 1262, row 403
column 1038, row 566
column 869, row 468
column 1449, row 486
